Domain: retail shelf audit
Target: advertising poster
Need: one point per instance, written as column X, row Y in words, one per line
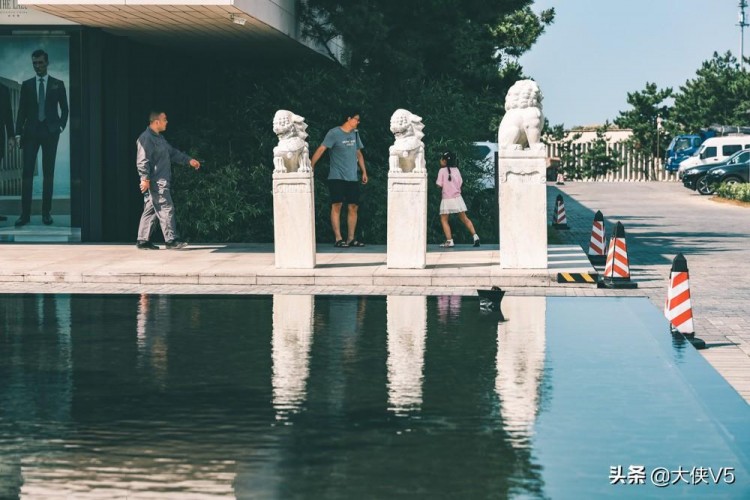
column 35, row 135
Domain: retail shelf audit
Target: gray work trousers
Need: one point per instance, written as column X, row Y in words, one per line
column 157, row 204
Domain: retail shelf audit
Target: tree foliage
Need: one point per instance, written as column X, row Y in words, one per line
column 390, row 41
column 719, row 94
column 597, row 159
column 583, row 160
column 449, row 61
column 647, row 106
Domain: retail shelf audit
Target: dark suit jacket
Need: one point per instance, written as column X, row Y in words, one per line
column 6, row 119
column 55, row 106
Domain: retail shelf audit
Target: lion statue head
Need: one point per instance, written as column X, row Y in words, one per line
column 524, row 94
column 291, row 154
column 407, row 152
column 287, row 124
column 405, row 123
column 521, row 126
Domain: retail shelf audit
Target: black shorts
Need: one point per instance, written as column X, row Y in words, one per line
column 343, row 191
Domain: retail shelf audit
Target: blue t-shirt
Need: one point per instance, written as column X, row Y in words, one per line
column 343, row 148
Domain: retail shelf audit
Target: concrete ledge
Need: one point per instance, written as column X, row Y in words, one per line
column 251, row 265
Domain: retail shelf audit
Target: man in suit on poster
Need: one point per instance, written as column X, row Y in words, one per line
column 42, row 116
column 6, row 125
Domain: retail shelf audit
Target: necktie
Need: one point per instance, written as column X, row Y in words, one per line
column 41, row 100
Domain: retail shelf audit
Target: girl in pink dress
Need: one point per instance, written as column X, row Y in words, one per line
column 449, row 178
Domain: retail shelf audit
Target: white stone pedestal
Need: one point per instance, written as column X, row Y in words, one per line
column 523, row 209
column 407, row 220
column 294, row 220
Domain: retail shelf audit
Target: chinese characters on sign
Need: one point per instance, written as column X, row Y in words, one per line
column 662, row 477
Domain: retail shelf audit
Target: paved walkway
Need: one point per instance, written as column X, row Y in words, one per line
column 660, row 219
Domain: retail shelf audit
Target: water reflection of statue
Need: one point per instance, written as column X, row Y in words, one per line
column 520, row 365
column 407, row 329
column 292, row 338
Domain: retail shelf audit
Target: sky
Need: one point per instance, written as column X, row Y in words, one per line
column 597, row 51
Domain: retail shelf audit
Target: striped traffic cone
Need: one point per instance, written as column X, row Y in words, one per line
column 678, row 309
column 617, row 269
column 597, row 255
column 559, row 220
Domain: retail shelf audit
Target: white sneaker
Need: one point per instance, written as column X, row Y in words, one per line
column 447, row 244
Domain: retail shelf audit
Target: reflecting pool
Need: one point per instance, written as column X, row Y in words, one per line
column 297, row 396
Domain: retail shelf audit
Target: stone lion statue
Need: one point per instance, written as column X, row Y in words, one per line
column 292, row 153
column 407, row 152
column 521, row 127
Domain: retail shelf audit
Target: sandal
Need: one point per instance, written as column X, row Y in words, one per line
column 341, row 244
column 355, row 243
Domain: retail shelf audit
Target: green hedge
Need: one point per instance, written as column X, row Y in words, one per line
column 230, row 199
column 739, row 192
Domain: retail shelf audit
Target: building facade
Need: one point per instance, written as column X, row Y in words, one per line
column 117, row 59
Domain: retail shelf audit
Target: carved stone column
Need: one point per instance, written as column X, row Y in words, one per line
column 407, row 220
column 523, row 209
column 294, row 220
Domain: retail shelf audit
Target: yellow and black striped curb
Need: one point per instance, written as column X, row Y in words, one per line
column 576, row 278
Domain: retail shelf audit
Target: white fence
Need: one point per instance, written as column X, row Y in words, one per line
column 636, row 167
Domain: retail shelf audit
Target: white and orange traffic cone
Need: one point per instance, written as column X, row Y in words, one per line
column 597, row 255
column 678, row 308
column 617, row 269
column 559, row 219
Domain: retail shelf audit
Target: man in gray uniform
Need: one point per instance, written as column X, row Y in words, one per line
column 154, row 162
column 343, row 183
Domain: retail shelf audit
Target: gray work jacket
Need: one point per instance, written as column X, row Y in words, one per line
column 155, row 157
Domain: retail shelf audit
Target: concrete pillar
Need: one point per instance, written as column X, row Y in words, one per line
column 407, row 220
column 294, row 220
column 523, row 209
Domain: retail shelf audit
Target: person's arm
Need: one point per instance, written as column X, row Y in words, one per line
column 7, row 118
column 63, row 107
column 361, row 161
column 177, row 156
column 458, row 178
column 316, row 156
column 21, row 118
column 143, row 164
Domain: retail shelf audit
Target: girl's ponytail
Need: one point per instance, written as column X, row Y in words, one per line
column 450, row 160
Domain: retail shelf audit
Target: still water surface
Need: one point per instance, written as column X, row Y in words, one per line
column 347, row 397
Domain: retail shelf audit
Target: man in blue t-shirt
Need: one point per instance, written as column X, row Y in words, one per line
column 343, row 184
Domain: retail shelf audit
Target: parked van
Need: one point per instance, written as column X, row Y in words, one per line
column 716, row 150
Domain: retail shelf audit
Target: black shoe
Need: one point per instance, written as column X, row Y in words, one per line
column 22, row 221
column 47, row 219
column 176, row 244
column 146, row 245
column 476, row 242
